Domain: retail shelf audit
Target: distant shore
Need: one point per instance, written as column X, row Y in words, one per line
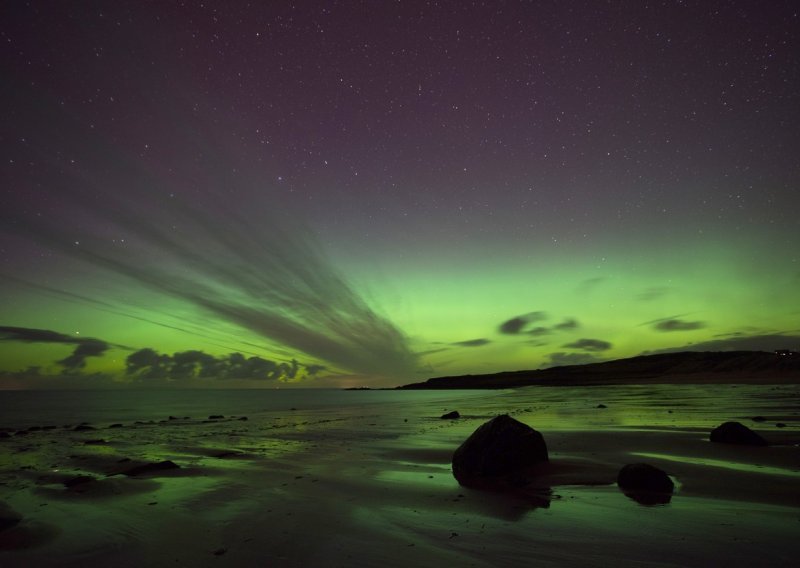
column 727, row 367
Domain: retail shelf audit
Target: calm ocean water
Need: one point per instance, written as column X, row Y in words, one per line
column 20, row 409
column 554, row 407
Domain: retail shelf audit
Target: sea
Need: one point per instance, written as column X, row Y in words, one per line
column 553, row 407
column 24, row 408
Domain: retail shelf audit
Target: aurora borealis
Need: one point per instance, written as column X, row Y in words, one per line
column 346, row 193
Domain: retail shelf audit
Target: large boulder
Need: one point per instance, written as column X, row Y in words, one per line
column 498, row 450
column 736, row 433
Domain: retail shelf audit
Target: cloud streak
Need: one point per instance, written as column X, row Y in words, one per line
column 673, row 324
column 85, row 347
column 471, row 343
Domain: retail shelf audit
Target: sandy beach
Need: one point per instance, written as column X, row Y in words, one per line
column 371, row 484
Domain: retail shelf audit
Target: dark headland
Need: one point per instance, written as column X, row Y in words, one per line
column 684, row 367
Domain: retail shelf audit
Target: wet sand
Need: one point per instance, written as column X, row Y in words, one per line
column 372, row 486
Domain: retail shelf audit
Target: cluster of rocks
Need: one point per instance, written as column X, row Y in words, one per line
column 502, row 453
column 87, row 427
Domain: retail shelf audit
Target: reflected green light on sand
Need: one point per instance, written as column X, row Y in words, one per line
column 737, row 466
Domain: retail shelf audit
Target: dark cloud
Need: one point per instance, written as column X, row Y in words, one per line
column 537, row 331
column 149, row 364
column 567, row 325
column 560, row 359
column 673, row 324
column 589, row 345
column 586, row 286
column 764, row 342
column 517, row 324
column 653, row 293
column 471, row 343
column 85, row 347
column 31, row 335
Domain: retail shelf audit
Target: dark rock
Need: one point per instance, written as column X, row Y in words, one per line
column 601, row 406
column 243, row 418
column 34, row 429
column 4, row 434
column 8, row 517
column 95, row 442
column 780, row 425
column 736, row 433
column 759, row 419
column 78, row 480
column 498, row 450
column 117, row 425
column 451, row 415
column 644, row 477
column 82, row 427
column 173, row 418
column 21, row 433
column 224, row 454
column 151, row 468
column 216, row 417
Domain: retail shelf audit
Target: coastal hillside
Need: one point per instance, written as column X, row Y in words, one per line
column 683, row 367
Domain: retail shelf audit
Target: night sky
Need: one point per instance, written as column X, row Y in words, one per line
column 372, row 193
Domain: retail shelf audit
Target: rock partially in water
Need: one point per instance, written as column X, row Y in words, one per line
column 644, row 477
column 645, row 484
column 451, row 415
column 499, row 450
column 736, row 433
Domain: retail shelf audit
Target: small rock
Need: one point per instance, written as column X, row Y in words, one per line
column 78, row 480
column 759, row 419
column 220, row 551
column 736, row 433
column 216, row 417
column 601, row 406
column 451, row 415
column 117, row 425
column 150, row 468
column 82, row 427
column 243, row 418
column 780, row 425
column 644, row 477
column 8, row 517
